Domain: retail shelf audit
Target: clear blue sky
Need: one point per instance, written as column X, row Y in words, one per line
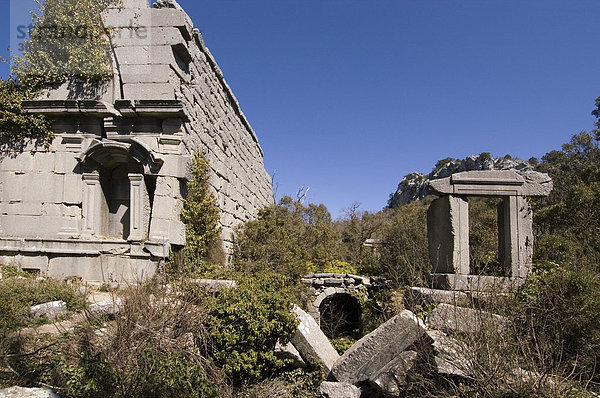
column 348, row 96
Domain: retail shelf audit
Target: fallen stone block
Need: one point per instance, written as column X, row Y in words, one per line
column 106, row 307
column 311, row 342
column 451, row 318
column 415, row 297
column 51, row 310
column 449, row 356
column 288, row 351
column 331, row 389
column 372, row 352
column 22, row 392
column 215, row 285
column 393, row 375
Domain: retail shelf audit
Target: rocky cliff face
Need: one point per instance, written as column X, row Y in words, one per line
column 414, row 186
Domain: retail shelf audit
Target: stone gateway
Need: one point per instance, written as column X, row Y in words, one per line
column 103, row 201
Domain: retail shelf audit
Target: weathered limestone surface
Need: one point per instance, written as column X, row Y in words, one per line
column 311, row 342
column 372, row 352
column 415, row 297
column 448, row 234
column 452, row 318
column 450, row 356
column 103, row 201
column 393, row 375
column 22, row 392
column 51, row 310
column 331, row 389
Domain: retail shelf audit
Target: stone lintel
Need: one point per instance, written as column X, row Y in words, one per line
column 493, row 183
column 475, row 283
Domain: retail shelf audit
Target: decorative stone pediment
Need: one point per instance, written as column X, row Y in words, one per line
column 108, row 153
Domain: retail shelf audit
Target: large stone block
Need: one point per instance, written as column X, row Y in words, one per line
column 23, row 392
column 149, row 91
column 51, row 310
column 448, row 235
column 372, row 352
column 311, row 342
column 331, row 389
column 451, row 318
column 415, row 297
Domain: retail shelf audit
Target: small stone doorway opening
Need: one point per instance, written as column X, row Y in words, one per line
column 341, row 316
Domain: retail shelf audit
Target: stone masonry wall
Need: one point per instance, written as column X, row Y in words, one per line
column 178, row 65
column 103, row 201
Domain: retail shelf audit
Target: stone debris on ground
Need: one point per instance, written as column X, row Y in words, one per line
column 22, row 392
column 51, row 310
column 452, row 318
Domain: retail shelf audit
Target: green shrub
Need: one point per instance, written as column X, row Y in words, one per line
column 340, row 267
column 200, row 214
column 246, row 323
column 562, row 308
column 18, row 295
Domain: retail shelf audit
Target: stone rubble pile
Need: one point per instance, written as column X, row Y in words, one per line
column 381, row 362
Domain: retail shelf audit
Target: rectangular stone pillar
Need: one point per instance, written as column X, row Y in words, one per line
column 448, row 235
column 92, row 205
column 139, row 205
column 515, row 236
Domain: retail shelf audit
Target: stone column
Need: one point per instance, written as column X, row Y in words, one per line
column 92, row 205
column 139, row 204
column 515, row 236
column 448, row 235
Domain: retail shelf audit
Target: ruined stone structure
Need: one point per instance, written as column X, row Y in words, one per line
column 334, row 297
column 448, row 225
column 103, row 201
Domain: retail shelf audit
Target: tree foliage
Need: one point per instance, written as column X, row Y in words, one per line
column 288, row 238
column 68, row 41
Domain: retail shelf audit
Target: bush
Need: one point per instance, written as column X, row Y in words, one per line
column 155, row 347
column 246, row 323
column 288, row 238
column 562, row 309
column 404, row 256
column 18, row 295
column 200, row 214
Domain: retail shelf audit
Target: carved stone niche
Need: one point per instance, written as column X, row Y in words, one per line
column 448, row 226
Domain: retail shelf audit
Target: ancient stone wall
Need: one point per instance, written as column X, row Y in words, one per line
column 103, row 201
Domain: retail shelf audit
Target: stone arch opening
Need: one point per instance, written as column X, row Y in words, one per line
column 119, row 189
column 340, row 316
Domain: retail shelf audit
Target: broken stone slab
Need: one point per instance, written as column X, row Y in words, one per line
column 106, row 307
column 452, row 318
column 415, row 297
column 331, row 389
column 311, row 342
column 51, row 310
column 22, row 392
column 393, row 375
column 375, row 350
column 450, row 357
column 288, row 351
